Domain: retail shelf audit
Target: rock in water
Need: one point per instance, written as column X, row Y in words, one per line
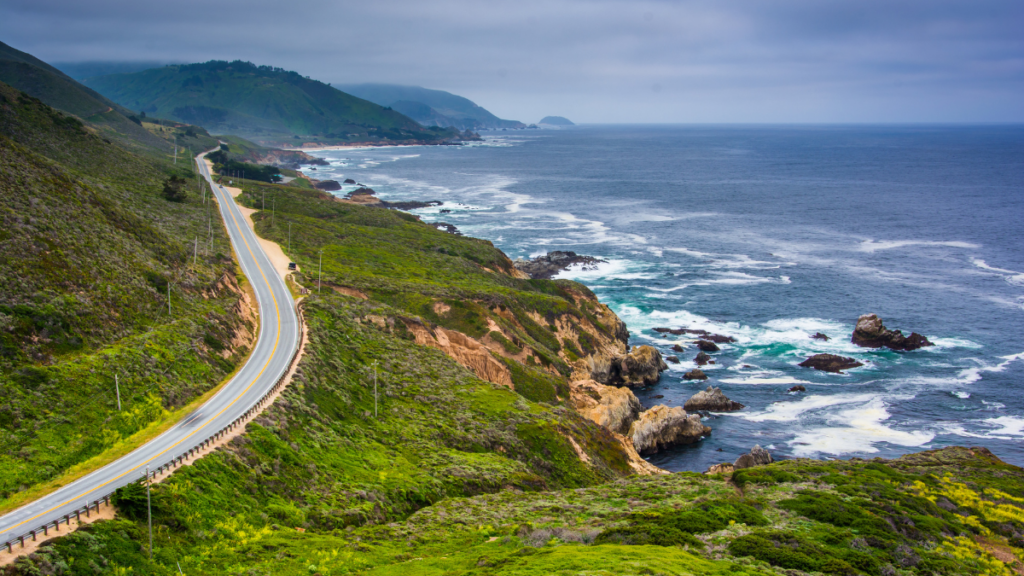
column 349, row 181
column 328, row 185
column 611, row 407
column 820, row 336
column 677, row 348
column 871, row 333
column 830, row 363
column 641, row 367
column 711, row 400
column 662, row 427
column 545, row 267
column 757, row 457
column 695, row 374
column 798, row 388
column 702, row 359
column 707, row 346
column 672, row 359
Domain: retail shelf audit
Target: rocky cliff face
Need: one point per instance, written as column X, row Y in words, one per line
column 640, row 367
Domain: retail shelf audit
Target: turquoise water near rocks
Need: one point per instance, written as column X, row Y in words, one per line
column 770, row 234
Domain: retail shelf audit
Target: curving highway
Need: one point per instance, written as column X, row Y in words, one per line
column 277, row 343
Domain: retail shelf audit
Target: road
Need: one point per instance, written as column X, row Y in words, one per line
column 277, row 343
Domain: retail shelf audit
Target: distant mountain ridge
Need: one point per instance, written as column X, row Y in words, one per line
column 262, row 103
column 431, row 107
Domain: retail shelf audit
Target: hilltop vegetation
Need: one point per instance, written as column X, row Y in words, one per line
column 262, row 103
column 88, row 248
column 431, row 107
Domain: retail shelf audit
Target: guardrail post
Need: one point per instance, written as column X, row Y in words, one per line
column 33, row 535
column 9, row 549
column 22, row 540
column 87, row 510
column 46, row 529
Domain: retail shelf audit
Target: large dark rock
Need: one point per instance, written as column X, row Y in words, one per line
column 798, row 388
column 830, row 363
column 820, row 336
column 702, row 359
column 871, row 333
column 672, row 359
column 757, row 457
column 640, row 367
column 547, row 266
column 707, row 346
column 328, row 185
column 349, row 181
column 711, row 400
column 695, row 374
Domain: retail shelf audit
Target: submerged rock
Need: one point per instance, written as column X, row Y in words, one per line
column 640, row 367
column 614, row 408
column 703, row 334
column 798, row 388
column 695, row 374
column 757, row 457
column 830, row 363
column 711, row 400
column 820, row 336
column 662, row 427
column 707, row 346
column 702, row 359
column 871, row 333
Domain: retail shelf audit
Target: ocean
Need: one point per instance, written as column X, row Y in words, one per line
column 770, row 234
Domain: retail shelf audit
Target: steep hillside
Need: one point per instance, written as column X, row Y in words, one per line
column 431, row 107
column 88, row 248
column 266, row 104
column 40, row 80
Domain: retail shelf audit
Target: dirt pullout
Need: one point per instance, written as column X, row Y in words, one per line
column 273, row 249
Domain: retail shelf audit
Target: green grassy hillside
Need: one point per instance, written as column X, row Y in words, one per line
column 431, row 107
column 260, row 103
column 88, row 246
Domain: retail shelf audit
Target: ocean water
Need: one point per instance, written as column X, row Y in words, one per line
column 770, row 234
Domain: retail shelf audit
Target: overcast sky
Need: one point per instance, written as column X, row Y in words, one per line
column 591, row 61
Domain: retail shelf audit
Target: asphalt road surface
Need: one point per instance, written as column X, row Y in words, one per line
column 277, row 343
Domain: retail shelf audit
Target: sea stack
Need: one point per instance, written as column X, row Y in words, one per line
column 871, row 333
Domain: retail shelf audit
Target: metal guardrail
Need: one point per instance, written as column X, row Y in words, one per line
column 175, row 462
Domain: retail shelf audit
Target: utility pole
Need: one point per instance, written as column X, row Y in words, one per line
column 149, row 513
column 319, row 268
column 117, row 388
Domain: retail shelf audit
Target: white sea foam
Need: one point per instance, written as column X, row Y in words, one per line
column 754, row 380
column 961, row 394
column 1011, row 276
column 970, row 375
column 857, row 430
column 1001, row 428
column 874, row 246
column 789, row 411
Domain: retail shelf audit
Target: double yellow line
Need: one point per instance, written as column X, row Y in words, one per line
column 273, row 351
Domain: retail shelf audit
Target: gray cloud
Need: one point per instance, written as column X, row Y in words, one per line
column 593, row 61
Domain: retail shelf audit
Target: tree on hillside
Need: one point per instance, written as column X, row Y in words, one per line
column 174, row 189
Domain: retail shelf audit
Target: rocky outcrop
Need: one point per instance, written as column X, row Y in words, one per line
column 640, row 367
column 695, row 374
column 830, row 363
column 614, row 408
column 798, row 388
column 702, row 359
column 724, row 468
column 871, row 333
column 662, row 427
column 707, row 346
column 463, row 349
column 672, row 359
column 711, row 400
column 547, row 266
column 349, row 181
column 757, row 457
column 820, row 336
column 328, row 185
